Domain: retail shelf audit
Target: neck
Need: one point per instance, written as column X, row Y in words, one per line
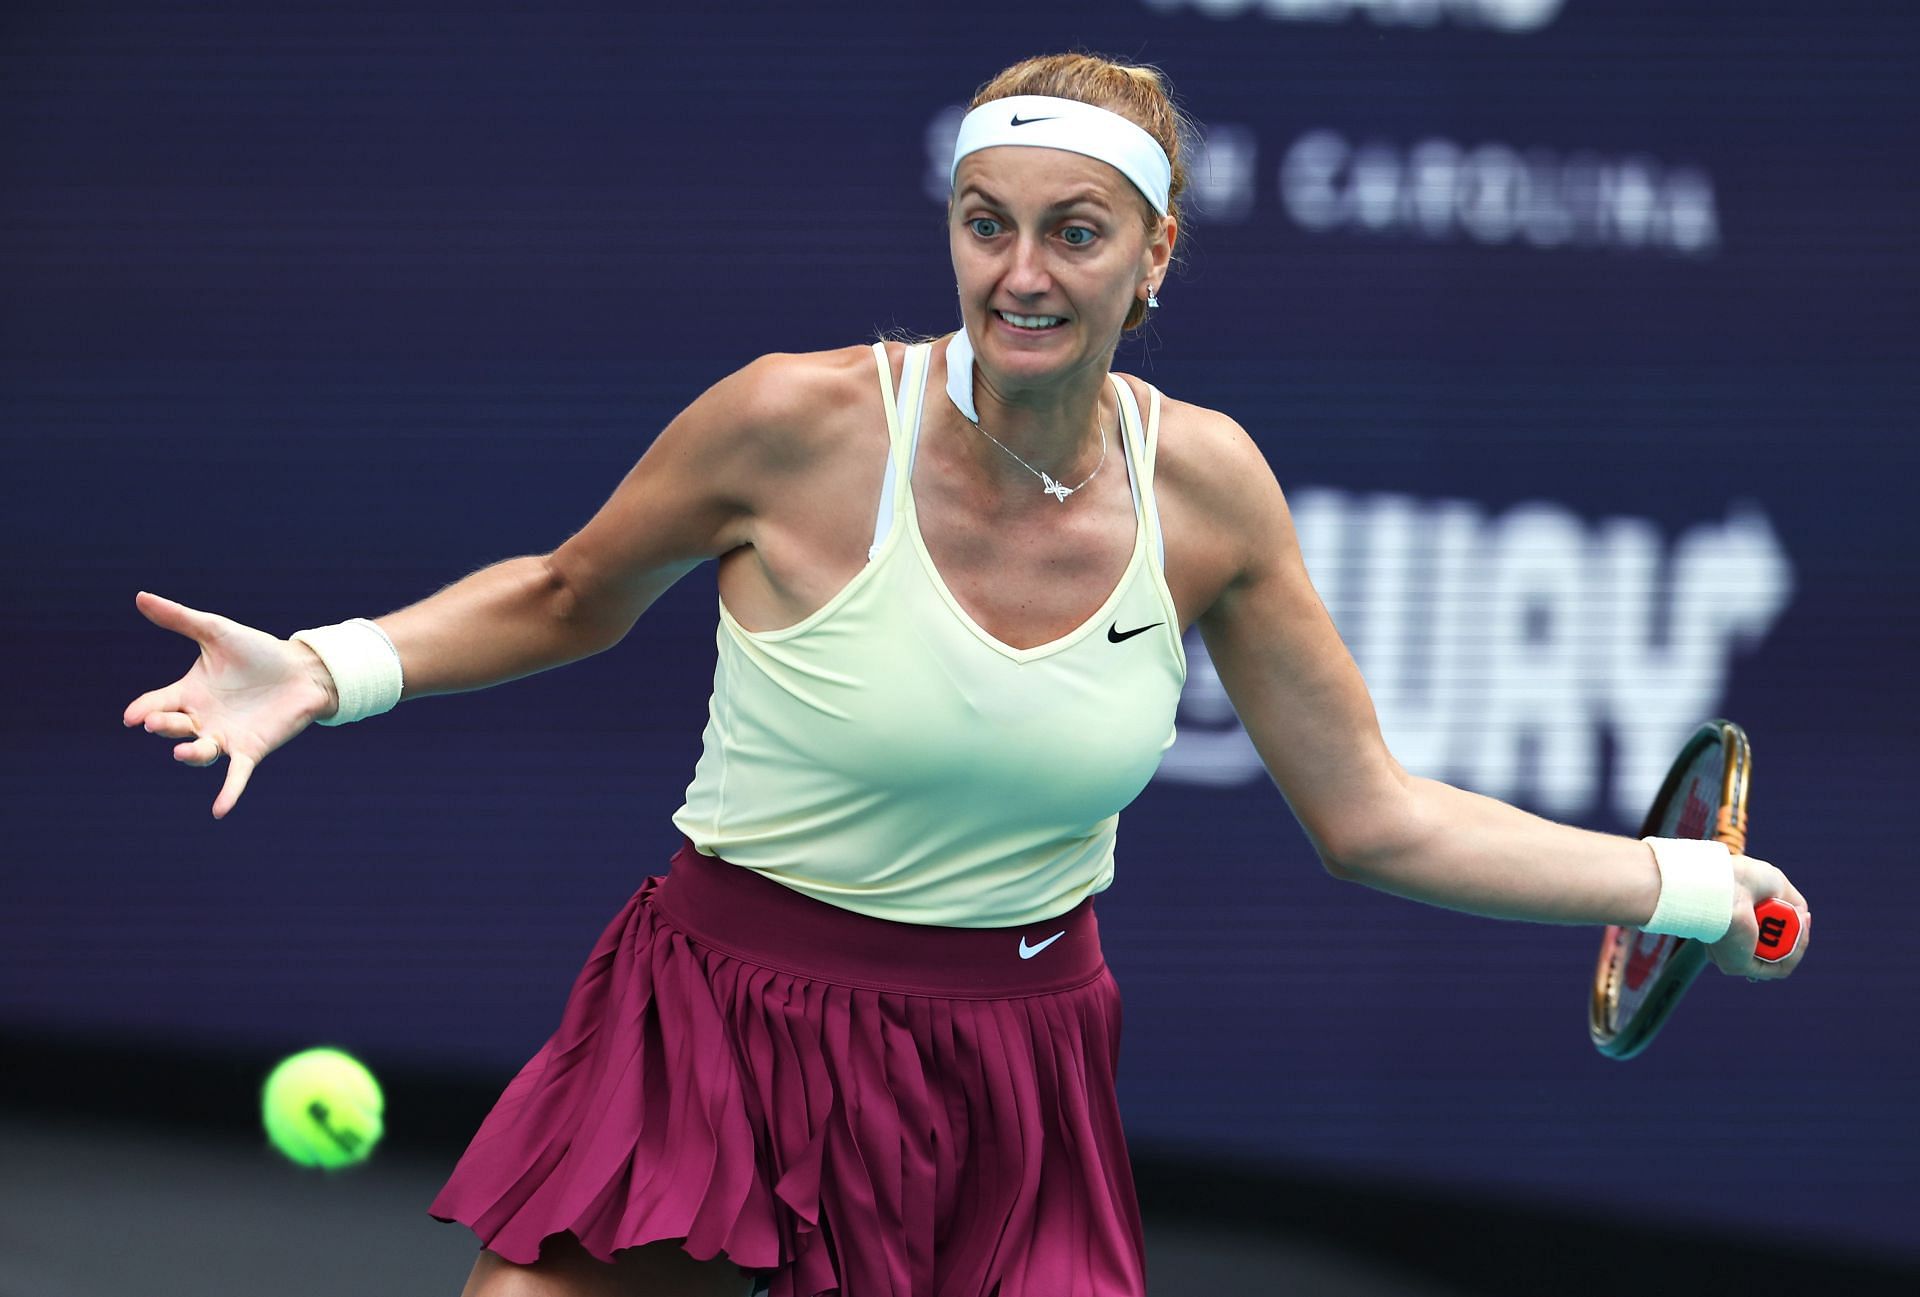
column 1052, row 426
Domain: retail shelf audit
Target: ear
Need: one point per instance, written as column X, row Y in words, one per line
column 1159, row 251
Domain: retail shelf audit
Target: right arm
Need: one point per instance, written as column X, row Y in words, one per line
column 692, row 496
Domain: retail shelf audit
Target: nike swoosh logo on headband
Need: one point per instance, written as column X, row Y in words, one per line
column 1028, row 121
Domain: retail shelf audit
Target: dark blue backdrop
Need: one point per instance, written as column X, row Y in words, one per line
column 1578, row 332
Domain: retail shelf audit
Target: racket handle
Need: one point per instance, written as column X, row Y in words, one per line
column 1779, row 930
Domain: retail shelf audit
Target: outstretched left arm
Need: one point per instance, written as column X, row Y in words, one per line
column 1306, row 708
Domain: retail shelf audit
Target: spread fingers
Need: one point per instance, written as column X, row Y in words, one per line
column 171, row 725
column 157, row 700
column 203, row 751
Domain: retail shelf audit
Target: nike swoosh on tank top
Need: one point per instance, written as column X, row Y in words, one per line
column 888, row 756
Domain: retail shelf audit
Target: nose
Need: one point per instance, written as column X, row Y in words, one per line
column 1027, row 270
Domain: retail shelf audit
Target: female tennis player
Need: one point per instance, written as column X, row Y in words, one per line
column 859, row 1039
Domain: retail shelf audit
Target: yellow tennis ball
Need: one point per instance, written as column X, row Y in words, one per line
column 322, row 1108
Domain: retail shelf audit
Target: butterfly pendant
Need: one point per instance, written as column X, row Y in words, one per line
column 1058, row 490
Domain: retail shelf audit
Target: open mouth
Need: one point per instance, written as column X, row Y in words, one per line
column 1032, row 323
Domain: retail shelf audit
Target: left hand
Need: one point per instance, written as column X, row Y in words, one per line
column 1756, row 881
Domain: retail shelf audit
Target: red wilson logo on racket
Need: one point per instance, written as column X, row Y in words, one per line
column 1693, row 815
column 1779, row 930
column 1649, row 949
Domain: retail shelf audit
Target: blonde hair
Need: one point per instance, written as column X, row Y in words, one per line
column 1139, row 93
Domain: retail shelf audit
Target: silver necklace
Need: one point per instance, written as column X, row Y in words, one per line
column 1058, row 490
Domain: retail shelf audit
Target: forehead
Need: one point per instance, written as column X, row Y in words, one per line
column 1020, row 173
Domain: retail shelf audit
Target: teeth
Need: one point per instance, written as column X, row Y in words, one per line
column 1031, row 321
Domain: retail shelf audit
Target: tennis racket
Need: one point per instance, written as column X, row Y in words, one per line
column 1642, row 975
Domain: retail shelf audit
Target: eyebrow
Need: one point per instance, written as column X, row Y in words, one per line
column 1088, row 197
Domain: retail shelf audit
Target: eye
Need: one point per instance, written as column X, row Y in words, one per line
column 1078, row 236
column 984, row 226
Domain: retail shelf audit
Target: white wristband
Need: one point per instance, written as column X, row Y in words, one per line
column 364, row 664
column 1696, row 888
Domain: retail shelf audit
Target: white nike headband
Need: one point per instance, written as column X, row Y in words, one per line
column 1041, row 121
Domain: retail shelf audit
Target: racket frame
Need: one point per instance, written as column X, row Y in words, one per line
column 1675, row 966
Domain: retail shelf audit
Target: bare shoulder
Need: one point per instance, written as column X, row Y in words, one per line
column 1220, row 505
column 795, row 405
column 781, row 439
column 1209, row 455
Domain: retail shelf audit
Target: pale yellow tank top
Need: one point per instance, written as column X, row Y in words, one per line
column 889, row 756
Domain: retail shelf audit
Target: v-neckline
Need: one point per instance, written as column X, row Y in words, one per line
column 1121, row 399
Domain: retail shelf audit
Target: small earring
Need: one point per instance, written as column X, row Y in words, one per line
column 1153, row 303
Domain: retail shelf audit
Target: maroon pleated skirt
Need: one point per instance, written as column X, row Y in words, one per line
column 843, row 1104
